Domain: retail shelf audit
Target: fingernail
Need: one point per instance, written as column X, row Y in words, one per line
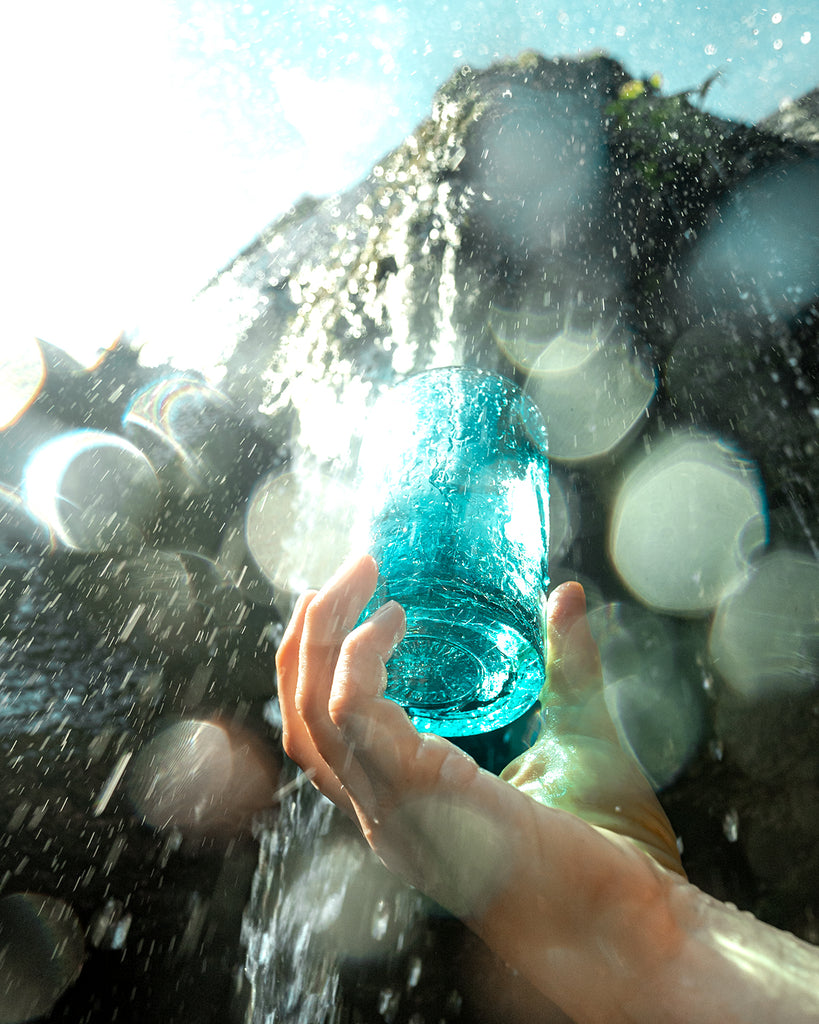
column 384, row 612
column 391, row 610
column 347, row 567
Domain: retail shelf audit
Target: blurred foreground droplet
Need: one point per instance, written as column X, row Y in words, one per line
column 202, row 778
column 41, row 954
column 22, row 372
column 537, row 161
column 656, row 712
column 298, row 529
column 93, row 489
column 592, row 392
column 760, row 253
column 685, row 522
column 765, row 635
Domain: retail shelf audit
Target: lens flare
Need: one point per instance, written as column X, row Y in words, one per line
column 186, row 429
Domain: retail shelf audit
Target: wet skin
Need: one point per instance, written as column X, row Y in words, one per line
column 566, row 866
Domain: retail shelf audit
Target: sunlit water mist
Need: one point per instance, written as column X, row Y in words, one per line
column 284, row 509
column 321, row 903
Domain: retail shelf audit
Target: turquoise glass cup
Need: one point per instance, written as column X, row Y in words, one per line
column 454, row 484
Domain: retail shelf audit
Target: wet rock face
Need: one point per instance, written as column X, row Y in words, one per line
column 594, row 240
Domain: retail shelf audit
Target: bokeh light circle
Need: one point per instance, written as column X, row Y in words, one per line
column 764, row 639
column 657, row 714
column 537, row 163
column 759, row 256
column 42, row 949
column 685, row 522
column 200, row 777
column 298, row 528
column 95, row 490
column 592, row 392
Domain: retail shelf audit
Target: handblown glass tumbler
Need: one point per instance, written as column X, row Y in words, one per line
column 454, row 481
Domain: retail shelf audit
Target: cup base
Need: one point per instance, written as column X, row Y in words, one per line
column 464, row 676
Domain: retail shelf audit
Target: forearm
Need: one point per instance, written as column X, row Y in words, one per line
column 610, row 937
column 733, row 967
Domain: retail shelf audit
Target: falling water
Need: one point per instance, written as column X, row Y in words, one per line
column 327, row 926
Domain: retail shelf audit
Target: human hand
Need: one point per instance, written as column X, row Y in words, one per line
column 566, row 866
column 359, row 747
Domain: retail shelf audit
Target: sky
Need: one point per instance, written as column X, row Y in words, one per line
column 151, row 140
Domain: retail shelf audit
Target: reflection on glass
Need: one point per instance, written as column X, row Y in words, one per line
column 564, row 516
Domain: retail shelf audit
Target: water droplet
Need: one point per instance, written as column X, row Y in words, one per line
column 414, row 973
column 730, row 825
column 380, row 921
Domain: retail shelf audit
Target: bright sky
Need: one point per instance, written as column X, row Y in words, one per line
column 147, row 141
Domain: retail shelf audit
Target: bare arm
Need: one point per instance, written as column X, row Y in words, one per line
column 566, row 867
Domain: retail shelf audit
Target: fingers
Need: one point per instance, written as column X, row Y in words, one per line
column 329, row 675
column 297, row 741
column 328, row 621
column 573, row 700
column 578, row 763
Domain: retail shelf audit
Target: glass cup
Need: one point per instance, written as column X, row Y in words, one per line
column 454, row 486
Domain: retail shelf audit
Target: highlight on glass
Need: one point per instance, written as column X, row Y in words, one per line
column 454, row 493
